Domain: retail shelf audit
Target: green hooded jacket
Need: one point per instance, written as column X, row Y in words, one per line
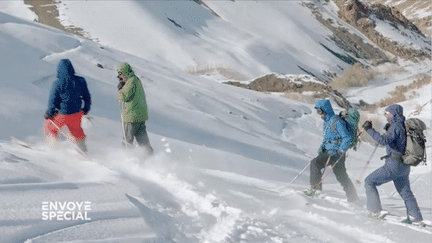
column 132, row 96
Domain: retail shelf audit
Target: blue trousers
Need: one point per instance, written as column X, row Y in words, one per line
column 399, row 174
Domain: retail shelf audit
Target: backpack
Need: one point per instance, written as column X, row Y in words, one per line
column 415, row 152
column 351, row 117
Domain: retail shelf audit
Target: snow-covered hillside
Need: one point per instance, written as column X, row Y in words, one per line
column 251, row 37
column 224, row 155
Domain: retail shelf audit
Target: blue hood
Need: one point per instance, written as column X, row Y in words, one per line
column 66, row 76
column 65, row 69
column 68, row 91
column 325, row 106
column 329, row 134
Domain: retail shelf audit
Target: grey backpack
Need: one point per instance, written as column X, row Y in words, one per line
column 415, row 149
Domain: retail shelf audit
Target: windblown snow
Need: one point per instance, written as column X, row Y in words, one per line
column 225, row 156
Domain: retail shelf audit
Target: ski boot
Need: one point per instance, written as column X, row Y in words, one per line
column 378, row 215
column 416, row 223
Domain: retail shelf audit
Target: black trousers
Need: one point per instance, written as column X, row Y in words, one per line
column 318, row 163
column 138, row 131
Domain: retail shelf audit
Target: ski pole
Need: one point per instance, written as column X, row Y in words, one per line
column 325, row 167
column 328, row 161
column 366, row 165
column 122, row 123
column 301, row 172
column 69, row 138
column 331, row 168
column 417, row 112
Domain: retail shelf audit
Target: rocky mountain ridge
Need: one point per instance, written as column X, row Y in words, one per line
column 363, row 17
column 418, row 12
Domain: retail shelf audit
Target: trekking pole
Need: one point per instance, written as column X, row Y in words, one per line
column 122, row 123
column 331, row 168
column 417, row 112
column 69, row 138
column 301, row 172
column 325, row 168
column 366, row 165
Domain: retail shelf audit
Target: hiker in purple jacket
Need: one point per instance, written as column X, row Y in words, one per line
column 395, row 140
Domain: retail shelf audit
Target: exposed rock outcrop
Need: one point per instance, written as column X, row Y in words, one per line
column 293, row 84
column 414, row 10
column 359, row 15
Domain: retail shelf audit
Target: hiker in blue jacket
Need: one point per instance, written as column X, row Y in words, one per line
column 332, row 152
column 69, row 100
column 395, row 140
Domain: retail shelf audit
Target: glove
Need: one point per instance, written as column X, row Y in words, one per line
column 367, row 125
column 120, row 85
column 386, row 127
column 48, row 117
column 321, row 149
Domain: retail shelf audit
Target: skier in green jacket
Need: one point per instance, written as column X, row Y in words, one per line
column 134, row 107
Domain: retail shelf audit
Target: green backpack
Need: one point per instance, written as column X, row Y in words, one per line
column 351, row 117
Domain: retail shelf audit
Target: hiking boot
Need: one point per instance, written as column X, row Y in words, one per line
column 312, row 192
column 406, row 221
column 416, row 223
column 419, row 224
column 148, row 150
column 317, row 187
column 378, row 215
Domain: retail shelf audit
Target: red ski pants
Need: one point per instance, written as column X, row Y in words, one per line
column 72, row 121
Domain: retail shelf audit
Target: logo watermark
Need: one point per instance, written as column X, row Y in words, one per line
column 66, row 210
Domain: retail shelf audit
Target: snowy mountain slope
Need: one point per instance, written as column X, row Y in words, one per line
column 18, row 9
column 222, row 151
column 186, row 34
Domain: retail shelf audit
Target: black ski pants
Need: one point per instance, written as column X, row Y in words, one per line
column 318, row 163
column 137, row 130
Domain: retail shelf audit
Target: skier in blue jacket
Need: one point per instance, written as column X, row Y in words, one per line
column 69, row 100
column 395, row 140
column 332, row 152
